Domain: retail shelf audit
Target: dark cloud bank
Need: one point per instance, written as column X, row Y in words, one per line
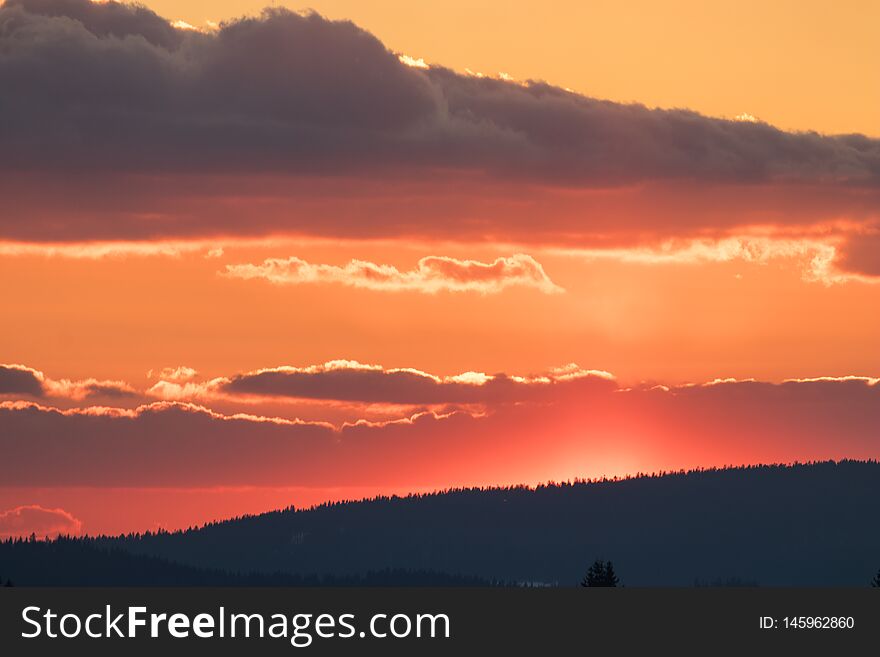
column 285, row 123
column 398, row 386
column 589, row 428
column 16, row 380
column 108, row 85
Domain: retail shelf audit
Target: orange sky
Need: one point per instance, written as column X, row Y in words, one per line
column 276, row 265
column 664, row 322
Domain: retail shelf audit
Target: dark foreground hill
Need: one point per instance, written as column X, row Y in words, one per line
column 802, row 525
column 79, row 562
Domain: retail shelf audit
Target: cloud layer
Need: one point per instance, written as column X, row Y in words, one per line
column 287, row 91
column 578, row 430
column 350, row 392
column 294, row 124
column 34, row 519
column 432, row 274
column 353, row 381
column 18, row 380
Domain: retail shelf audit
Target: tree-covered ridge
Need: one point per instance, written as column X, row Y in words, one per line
column 69, row 561
column 767, row 525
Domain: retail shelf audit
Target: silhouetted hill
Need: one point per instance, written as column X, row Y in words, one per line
column 79, row 562
column 810, row 524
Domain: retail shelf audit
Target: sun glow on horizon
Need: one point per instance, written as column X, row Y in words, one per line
column 271, row 257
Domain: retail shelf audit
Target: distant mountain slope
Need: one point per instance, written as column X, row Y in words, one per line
column 810, row 525
column 77, row 562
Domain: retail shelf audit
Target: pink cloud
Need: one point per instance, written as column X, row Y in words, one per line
column 34, row 519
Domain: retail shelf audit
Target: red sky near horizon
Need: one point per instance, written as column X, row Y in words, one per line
column 277, row 261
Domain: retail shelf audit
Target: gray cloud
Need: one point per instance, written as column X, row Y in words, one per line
column 17, row 380
column 108, row 19
column 350, row 384
column 110, row 87
column 294, row 124
column 349, row 381
column 90, row 389
column 862, row 253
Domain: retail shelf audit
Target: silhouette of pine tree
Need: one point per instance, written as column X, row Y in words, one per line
column 593, row 574
column 876, row 581
column 601, row 573
column 610, row 576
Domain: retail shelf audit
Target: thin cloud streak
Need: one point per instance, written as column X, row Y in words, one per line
column 431, row 275
column 351, row 381
column 820, row 259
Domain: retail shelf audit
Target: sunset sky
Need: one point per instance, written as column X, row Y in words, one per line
column 259, row 259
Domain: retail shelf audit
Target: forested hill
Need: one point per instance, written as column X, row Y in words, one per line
column 83, row 562
column 810, row 525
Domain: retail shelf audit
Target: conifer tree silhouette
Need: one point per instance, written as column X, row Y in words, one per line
column 876, row 581
column 601, row 573
column 610, row 576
